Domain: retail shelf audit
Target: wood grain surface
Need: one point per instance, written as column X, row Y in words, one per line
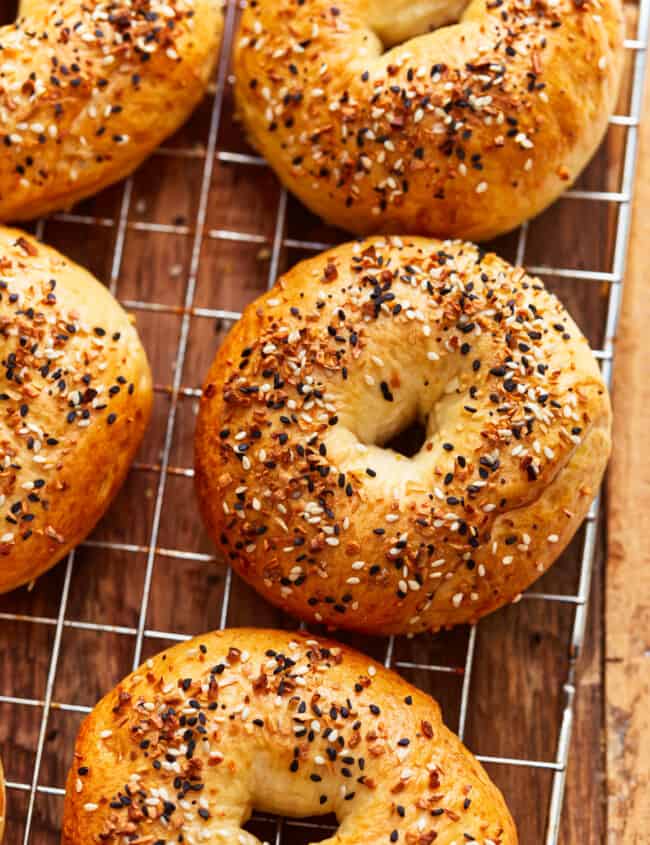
column 627, row 605
column 522, row 652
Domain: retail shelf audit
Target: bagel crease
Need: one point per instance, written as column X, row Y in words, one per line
column 462, row 132
column 75, row 398
column 183, row 749
column 88, row 89
column 295, row 480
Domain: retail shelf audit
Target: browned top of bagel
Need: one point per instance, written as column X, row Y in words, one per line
column 344, row 353
column 282, row 722
column 462, row 132
column 89, row 88
column 75, row 397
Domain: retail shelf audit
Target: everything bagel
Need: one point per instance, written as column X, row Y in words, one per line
column 462, row 132
column 88, row 88
column 183, row 749
column 295, row 475
column 75, row 398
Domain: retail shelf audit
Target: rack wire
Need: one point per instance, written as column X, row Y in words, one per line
column 121, row 224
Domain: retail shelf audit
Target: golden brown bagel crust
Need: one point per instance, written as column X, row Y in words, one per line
column 345, row 352
column 88, row 89
column 75, row 398
column 282, row 722
column 462, row 132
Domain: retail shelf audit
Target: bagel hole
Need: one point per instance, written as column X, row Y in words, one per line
column 8, row 11
column 408, row 441
column 303, row 831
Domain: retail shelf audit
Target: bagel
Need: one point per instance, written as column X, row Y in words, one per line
column 296, row 479
column 184, row 748
column 75, row 398
column 462, row 132
column 89, row 88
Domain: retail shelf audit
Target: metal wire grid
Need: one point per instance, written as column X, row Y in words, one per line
column 621, row 199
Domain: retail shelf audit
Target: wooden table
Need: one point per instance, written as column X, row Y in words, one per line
column 140, row 240
column 626, row 669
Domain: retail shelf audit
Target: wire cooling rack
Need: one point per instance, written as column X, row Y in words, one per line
column 36, row 747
